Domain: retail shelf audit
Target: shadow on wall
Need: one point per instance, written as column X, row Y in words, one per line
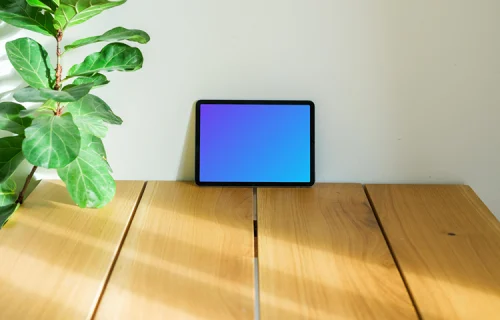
column 186, row 166
column 6, row 32
column 10, row 81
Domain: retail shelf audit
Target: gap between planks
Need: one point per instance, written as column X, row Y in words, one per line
column 393, row 255
column 100, row 294
column 256, row 256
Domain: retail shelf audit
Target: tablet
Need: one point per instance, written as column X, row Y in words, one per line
column 254, row 143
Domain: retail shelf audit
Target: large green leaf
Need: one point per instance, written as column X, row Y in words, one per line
column 49, row 107
column 29, row 94
column 116, row 34
column 44, row 4
column 19, row 14
column 94, row 126
column 90, row 142
column 35, row 111
column 93, row 143
column 88, row 180
column 92, row 106
column 73, row 12
column 7, row 192
column 113, row 57
column 10, row 119
column 11, row 156
column 32, row 62
column 6, row 212
column 52, row 141
column 69, row 94
column 97, row 80
column 90, row 115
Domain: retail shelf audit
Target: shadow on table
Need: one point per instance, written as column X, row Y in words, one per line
column 177, row 279
column 39, row 226
column 192, row 278
column 19, row 303
column 178, row 283
column 166, row 268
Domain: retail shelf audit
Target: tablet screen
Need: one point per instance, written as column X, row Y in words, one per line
column 255, row 143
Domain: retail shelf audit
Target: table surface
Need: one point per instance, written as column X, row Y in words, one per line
column 172, row 250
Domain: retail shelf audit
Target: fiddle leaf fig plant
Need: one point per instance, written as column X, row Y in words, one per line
column 65, row 130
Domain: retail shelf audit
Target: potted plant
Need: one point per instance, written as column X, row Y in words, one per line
column 64, row 132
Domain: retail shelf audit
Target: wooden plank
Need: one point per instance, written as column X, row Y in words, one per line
column 447, row 244
column 55, row 257
column 323, row 256
column 188, row 255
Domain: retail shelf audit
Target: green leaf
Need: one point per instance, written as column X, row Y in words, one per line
column 6, row 212
column 73, row 12
column 90, row 142
column 51, row 141
column 92, row 106
column 33, row 112
column 116, row 34
column 88, row 180
column 70, row 94
column 29, row 94
column 93, row 143
column 10, row 119
column 94, row 126
column 113, row 57
column 7, row 192
column 49, row 106
column 11, row 156
column 97, row 80
column 44, row 4
column 19, row 14
column 90, row 115
column 32, row 62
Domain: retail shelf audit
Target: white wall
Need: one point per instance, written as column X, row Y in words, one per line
column 406, row 91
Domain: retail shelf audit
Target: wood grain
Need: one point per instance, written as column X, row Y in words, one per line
column 188, row 255
column 55, row 257
column 448, row 246
column 323, row 256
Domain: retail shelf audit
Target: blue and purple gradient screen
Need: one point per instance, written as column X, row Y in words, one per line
column 255, row 143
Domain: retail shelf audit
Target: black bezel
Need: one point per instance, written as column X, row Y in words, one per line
column 255, row 184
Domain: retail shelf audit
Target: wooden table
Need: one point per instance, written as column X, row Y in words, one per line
column 172, row 250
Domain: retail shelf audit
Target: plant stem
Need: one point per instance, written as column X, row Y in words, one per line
column 58, row 86
column 20, row 198
column 59, row 38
